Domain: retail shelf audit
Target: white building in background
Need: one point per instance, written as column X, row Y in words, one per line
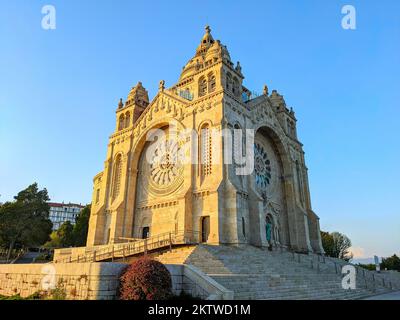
column 62, row 212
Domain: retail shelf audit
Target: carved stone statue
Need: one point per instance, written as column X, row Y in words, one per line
column 238, row 67
column 265, row 90
column 120, row 104
column 161, row 85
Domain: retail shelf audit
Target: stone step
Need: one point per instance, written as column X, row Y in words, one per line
column 301, row 297
column 286, row 286
column 268, row 275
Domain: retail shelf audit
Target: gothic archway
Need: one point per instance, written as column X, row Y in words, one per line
column 160, row 173
column 268, row 189
column 205, row 228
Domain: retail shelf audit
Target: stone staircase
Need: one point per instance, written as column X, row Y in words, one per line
column 255, row 273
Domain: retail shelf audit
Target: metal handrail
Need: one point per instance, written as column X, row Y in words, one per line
column 122, row 250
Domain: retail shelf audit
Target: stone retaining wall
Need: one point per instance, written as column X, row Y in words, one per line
column 79, row 281
column 196, row 283
column 97, row 281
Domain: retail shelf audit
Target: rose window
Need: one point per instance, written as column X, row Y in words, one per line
column 165, row 166
column 262, row 167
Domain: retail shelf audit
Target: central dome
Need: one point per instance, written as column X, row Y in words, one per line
column 208, row 50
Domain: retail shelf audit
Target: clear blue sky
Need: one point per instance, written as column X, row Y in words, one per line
column 59, row 90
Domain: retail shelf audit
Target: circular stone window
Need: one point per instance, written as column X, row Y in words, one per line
column 262, row 167
column 165, row 168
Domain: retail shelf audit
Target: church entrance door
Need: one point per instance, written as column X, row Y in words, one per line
column 145, row 232
column 205, row 228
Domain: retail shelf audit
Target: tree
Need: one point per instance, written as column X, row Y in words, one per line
column 54, row 241
column 369, row 266
column 64, row 234
column 25, row 221
column 336, row 245
column 391, row 263
column 81, row 227
column 69, row 235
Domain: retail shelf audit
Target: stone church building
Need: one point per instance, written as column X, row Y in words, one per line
column 142, row 193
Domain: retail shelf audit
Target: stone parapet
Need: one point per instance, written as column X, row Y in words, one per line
column 98, row 281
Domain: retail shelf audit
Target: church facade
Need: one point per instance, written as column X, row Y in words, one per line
column 145, row 189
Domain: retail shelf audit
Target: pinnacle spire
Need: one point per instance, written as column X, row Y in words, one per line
column 207, row 39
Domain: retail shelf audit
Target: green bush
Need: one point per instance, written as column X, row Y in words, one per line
column 369, row 266
column 57, row 294
column 391, row 263
column 35, row 296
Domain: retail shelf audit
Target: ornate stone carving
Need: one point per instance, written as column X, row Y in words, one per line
column 262, row 166
column 166, row 166
column 161, row 167
column 161, row 85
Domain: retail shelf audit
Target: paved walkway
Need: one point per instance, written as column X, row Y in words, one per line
column 386, row 296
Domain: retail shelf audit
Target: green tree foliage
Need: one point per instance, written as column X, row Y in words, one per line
column 391, row 263
column 81, row 227
column 54, row 241
column 25, row 221
column 64, row 234
column 69, row 235
column 327, row 243
column 336, row 245
column 369, row 266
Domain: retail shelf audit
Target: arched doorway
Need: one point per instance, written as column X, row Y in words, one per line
column 145, row 232
column 268, row 229
column 268, row 183
column 205, row 228
column 160, row 173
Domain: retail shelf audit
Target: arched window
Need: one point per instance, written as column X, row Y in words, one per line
column 127, row 119
column 211, row 82
column 117, row 177
column 293, row 129
column 121, row 122
column 244, row 227
column 205, row 150
column 289, row 127
column 238, row 142
column 202, row 86
column 228, row 82
column 235, row 88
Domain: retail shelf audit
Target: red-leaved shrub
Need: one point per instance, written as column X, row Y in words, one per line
column 145, row 279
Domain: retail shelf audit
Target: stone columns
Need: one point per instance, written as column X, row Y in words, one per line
column 297, row 219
